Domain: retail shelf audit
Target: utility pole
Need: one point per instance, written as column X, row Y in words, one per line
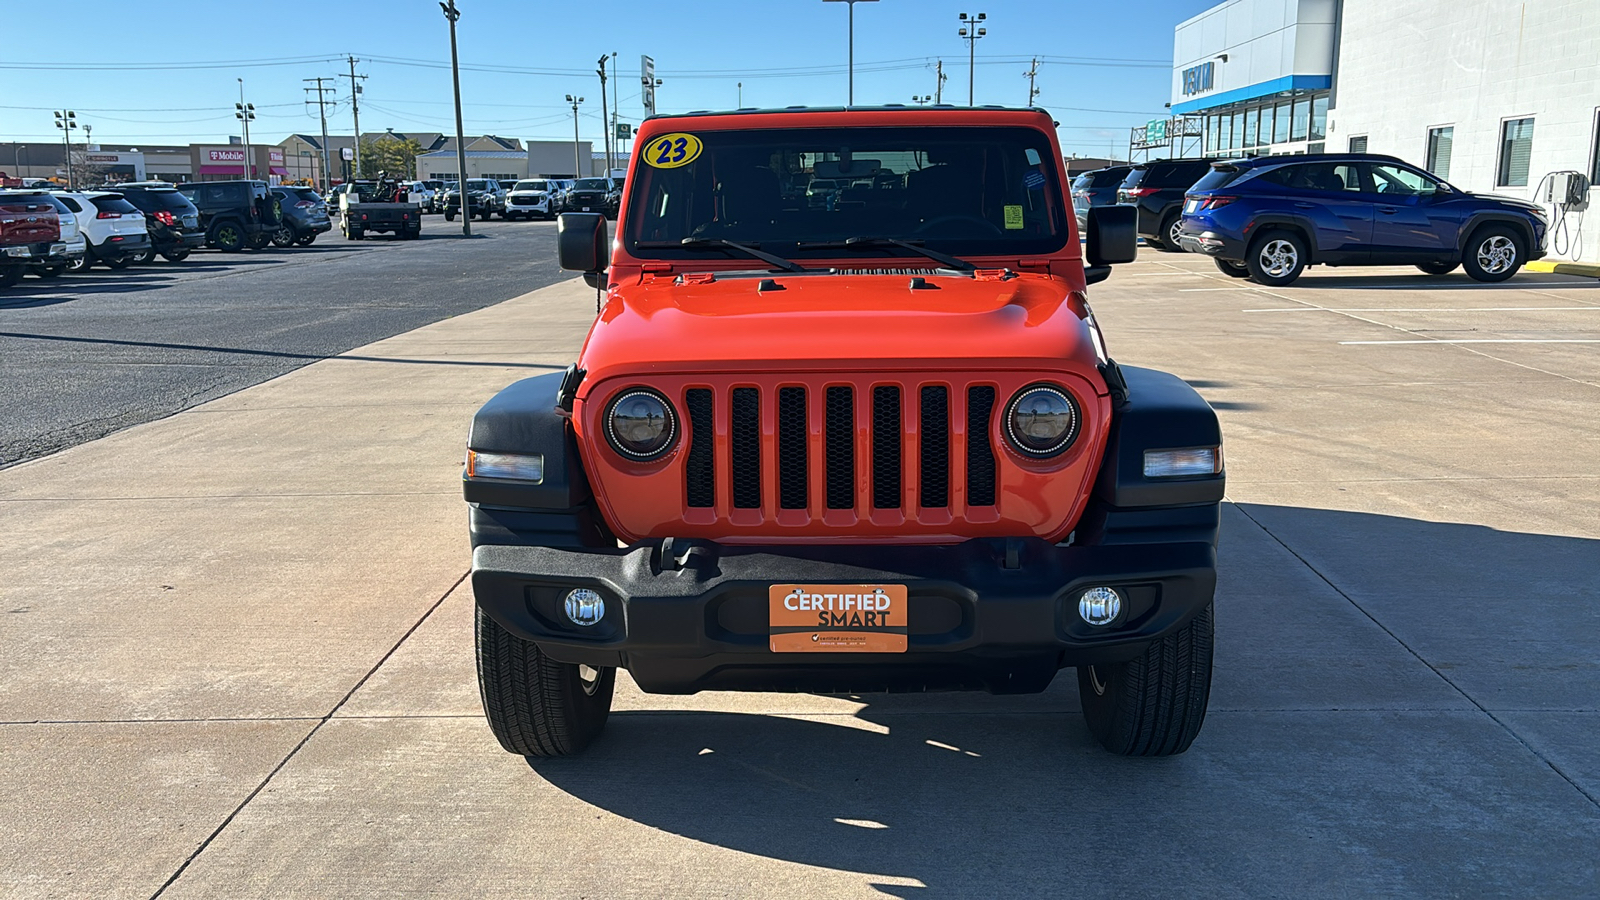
column 355, row 89
column 852, row 67
column 322, row 114
column 577, row 167
column 605, row 117
column 741, row 96
column 66, row 120
column 451, row 13
column 1033, row 72
column 971, row 31
column 938, row 85
column 616, row 106
column 244, row 112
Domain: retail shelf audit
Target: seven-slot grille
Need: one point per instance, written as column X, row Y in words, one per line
column 827, row 437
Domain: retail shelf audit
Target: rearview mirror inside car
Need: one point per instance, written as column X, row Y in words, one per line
column 581, row 242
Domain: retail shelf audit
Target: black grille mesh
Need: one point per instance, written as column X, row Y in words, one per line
column 980, row 456
column 699, row 469
column 744, row 441
column 935, row 461
column 792, row 472
column 839, row 430
column 886, row 447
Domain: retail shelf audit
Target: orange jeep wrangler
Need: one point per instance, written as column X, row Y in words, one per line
column 845, row 423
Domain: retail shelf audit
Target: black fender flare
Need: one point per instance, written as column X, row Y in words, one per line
column 526, row 418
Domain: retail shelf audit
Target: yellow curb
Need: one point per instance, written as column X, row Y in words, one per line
column 1564, row 268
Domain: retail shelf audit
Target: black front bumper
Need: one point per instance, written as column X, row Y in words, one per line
column 996, row 615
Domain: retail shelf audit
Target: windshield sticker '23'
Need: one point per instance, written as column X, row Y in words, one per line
column 670, row 151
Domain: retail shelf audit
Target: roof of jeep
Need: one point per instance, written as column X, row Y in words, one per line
column 886, row 108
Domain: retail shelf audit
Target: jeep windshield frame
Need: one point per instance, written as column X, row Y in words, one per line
column 961, row 189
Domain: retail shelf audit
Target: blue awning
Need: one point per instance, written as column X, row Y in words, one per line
column 1263, row 89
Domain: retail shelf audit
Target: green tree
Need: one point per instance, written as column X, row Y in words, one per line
column 389, row 154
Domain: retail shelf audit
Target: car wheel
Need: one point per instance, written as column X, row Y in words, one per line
column 283, row 236
column 178, row 255
column 1232, row 269
column 1494, row 253
column 535, row 705
column 10, row 275
column 1276, row 258
column 355, row 234
column 54, row 271
column 80, row 263
column 228, row 237
column 260, row 240
column 306, row 240
column 1153, row 705
column 1168, row 239
column 119, row 262
column 1438, row 268
column 449, row 215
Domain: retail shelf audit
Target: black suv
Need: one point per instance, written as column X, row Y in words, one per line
column 305, row 215
column 1156, row 189
column 1096, row 188
column 173, row 222
column 593, row 195
column 234, row 214
column 485, row 197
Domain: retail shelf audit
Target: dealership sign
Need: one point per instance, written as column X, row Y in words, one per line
column 1155, row 131
column 225, row 155
column 1199, row 79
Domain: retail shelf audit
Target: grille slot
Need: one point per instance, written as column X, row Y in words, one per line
column 699, row 469
column 886, row 447
column 980, row 456
column 792, row 437
column 935, row 456
column 840, row 433
column 744, row 431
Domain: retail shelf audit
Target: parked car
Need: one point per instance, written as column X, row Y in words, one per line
column 304, row 216
column 434, row 194
column 72, row 247
column 173, row 222
column 485, row 197
column 30, row 230
column 1156, row 189
column 1269, row 218
column 591, row 195
column 1096, row 188
column 562, row 187
column 114, row 230
column 438, row 198
column 379, row 207
column 234, row 214
column 422, row 190
column 530, row 197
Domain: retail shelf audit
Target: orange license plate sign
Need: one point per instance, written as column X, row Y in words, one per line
column 838, row 618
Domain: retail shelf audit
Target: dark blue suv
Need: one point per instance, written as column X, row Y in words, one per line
column 1268, row 218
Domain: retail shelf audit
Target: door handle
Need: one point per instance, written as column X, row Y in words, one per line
column 1388, row 210
column 1306, row 205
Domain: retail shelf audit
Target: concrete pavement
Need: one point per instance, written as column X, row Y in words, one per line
column 237, row 645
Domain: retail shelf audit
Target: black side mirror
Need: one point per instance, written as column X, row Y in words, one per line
column 1112, row 235
column 581, row 242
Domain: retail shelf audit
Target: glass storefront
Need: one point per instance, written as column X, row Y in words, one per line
column 1269, row 125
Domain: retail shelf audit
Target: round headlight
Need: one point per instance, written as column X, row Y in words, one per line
column 1042, row 420
column 640, row 424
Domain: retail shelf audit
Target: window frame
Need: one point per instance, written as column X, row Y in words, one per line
column 1351, row 143
column 1428, row 160
column 1502, row 160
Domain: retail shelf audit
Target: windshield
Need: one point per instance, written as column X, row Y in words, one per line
column 477, row 184
column 961, row 190
column 593, row 184
column 531, row 186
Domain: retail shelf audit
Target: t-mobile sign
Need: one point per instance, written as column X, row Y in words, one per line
column 226, row 155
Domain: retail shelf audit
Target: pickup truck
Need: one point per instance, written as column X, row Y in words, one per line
column 30, row 233
column 370, row 206
column 876, row 445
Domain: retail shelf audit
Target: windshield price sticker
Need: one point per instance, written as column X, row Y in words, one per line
column 1013, row 218
column 673, row 150
column 838, row 618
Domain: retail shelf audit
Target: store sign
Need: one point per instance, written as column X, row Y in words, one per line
column 347, row 154
column 276, row 156
column 233, row 156
column 1155, row 131
column 1199, row 79
column 624, row 131
column 101, row 158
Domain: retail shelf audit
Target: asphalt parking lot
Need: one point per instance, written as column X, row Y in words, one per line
column 238, row 652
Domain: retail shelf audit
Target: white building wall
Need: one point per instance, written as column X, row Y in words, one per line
column 1409, row 65
column 1263, row 39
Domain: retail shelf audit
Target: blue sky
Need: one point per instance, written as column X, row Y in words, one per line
column 523, row 57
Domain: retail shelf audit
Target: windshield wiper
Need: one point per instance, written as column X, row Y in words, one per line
column 788, row 265
column 953, row 262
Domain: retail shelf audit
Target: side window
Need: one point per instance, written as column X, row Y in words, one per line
column 1392, row 181
column 1325, row 177
column 215, row 194
column 72, row 204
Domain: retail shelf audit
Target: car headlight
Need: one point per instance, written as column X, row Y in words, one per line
column 641, row 424
column 1042, row 420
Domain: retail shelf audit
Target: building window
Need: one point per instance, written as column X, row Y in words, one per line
column 1280, row 124
column 1439, row 142
column 1301, row 119
column 1319, row 118
column 1516, row 150
column 1250, row 127
column 1358, row 144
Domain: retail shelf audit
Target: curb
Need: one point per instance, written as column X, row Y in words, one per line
column 1564, row 268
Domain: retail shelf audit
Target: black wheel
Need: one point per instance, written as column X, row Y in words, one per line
column 119, row 262
column 54, row 271
column 283, row 236
column 1438, row 268
column 1169, row 234
column 143, row 257
column 178, row 254
column 82, row 263
column 227, row 237
column 535, row 705
column 306, row 240
column 1232, row 269
column 1494, row 253
column 449, row 215
column 1153, row 705
column 10, row 275
column 1276, row 258
column 259, row 240
column 355, row 233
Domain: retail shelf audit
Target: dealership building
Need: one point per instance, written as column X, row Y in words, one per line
column 1495, row 96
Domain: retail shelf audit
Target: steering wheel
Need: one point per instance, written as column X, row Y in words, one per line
column 935, row 222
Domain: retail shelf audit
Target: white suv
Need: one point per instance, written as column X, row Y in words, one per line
column 114, row 229
column 531, row 197
column 72, row 243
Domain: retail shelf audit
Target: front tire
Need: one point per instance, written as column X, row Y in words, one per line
column 1233, row 269
column 1153, row 705
column 178, row 255
column 10, row 275
column 283, row 237
column 535, row 705
column 1494, row 253
column 1276, row 258
column 449, row 215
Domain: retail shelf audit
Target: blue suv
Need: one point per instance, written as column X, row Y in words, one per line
column 1268, row 218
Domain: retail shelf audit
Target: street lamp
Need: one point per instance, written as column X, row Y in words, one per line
column 452, row 14
column 577, row 166
column 245, row 112
column 66, row 120
column 971, row 32
column 921, row 99
column 852, row 67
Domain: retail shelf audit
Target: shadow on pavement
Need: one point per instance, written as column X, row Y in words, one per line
column 1456, row 281
column 952, row 796
column 280, row 354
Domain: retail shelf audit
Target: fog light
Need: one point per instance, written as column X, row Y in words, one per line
column 1178, row 463
column 585, row 607
column 1097, row 606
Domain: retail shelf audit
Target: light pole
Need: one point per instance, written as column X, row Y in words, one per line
column 741, row 96
column 616, row 107
column 244, row 112
column 852, row 40
column 921, row 99
column 577, row 166
column 605, row 117
column 452, row 14
column 650, row 86
column 16, row 157
column 66, row 120
column 971, row 31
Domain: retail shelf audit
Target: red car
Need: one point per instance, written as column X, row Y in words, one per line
column 30, row 232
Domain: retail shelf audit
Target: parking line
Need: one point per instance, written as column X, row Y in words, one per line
column 1457, row 309
column 1484, row 341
